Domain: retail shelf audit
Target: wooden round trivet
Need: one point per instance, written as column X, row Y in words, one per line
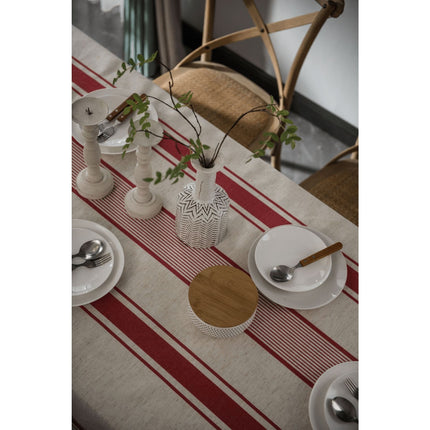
column 222, row 301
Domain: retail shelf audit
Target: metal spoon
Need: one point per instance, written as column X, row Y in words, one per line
column 283, row 273
column 344, row 409
column 90, row 250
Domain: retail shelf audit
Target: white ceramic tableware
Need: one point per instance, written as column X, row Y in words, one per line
column 113, row 97
column 118, row 257
column 338, row 388
column 287, row 245
column 85, row 279
column 330, row 384
column 312, row 299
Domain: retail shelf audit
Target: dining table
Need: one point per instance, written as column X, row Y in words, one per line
column 138, row 359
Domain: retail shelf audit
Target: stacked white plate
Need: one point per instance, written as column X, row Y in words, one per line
column 113, row 97
column 329, row 385
column 90, row 284
column 312, row 286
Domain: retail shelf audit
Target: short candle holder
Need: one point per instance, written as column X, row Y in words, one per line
column 93, row 182
column 140, row 202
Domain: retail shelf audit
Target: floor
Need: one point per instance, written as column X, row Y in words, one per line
column 314, row 150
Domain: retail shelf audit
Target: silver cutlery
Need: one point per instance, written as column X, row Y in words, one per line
column 344, row 409
column 117, row 114
column 283, row 273
column 90, row 250
column 94, row 263
column 352, row 387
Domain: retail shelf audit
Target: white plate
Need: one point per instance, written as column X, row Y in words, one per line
column 318, row 400
column 86, row 279
column 338, row 388
column 288, row 244
column 118, row 255
column 312, row 299
column 114, row 97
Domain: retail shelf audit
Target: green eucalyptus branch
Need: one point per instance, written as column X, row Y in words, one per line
column 286, row 134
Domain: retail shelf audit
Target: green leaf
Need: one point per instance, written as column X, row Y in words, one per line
column 284, row 135
column 148, row 179
column 152, row 57
column 272, row 135
column 292, row 129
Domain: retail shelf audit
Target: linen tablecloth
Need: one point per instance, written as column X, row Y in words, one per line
column 138, row 361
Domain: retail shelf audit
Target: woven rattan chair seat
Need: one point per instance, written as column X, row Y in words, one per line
column 221, row 99
column 337, row 186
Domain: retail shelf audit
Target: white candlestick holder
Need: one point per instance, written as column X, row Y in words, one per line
column 93, row 182
column 140, row 202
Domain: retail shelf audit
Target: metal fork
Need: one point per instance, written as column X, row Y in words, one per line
column 94, row 263
column 352, row 387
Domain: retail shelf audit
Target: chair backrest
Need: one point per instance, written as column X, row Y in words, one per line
column 329, row 8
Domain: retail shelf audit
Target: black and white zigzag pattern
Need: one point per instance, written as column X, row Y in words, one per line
column 201, row 224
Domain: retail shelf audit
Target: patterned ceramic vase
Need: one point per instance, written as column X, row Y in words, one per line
column 202, row 209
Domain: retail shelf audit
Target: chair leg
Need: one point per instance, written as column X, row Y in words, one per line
column 275, row 156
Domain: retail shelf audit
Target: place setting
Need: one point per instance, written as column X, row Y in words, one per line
column 297, row 267
column 333, row 403
column 97, row 261
column 113, row 131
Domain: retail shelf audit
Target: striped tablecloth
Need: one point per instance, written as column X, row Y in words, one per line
column 138, row 361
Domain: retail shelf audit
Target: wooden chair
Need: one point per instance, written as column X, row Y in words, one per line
column 336, row 184
column 220, row 94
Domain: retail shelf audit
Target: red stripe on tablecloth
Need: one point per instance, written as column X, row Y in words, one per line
column 175, row 364
column 148, row 365
column 352, row 278
column 149, row 235
column 77, row 92
column 351, row 297
column 85, row 81
column 264, row 196
column 161, row 327
column 241, row 196
column 92, row 71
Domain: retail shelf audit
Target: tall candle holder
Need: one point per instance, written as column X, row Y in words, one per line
column 93, row 182
column 140, row 202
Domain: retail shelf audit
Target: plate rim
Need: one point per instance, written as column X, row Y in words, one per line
column 347, row 395
column 340, row 266
column 286, row 286
column 107, row 286
column 112, row 265
column 322, row 384
column 108, row 149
